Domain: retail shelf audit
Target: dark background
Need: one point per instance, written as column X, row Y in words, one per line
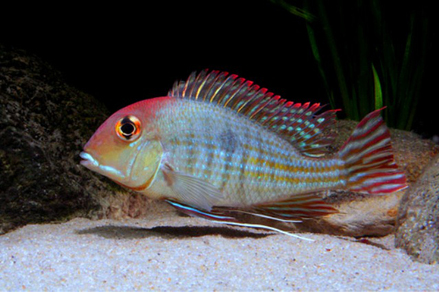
column 125, row 52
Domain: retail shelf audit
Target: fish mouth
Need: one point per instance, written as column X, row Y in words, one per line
column 93, row 164
column 88, row 160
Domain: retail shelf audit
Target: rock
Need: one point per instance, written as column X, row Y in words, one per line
column 43, row 125
column 418, row 219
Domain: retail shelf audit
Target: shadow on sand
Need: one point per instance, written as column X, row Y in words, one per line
column 168, row 232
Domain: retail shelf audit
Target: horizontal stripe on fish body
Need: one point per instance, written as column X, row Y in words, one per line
column 246, row 161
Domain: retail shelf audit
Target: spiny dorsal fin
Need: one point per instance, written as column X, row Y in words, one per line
column 295, row 122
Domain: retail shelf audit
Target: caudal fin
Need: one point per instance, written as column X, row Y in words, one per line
column 368, row 158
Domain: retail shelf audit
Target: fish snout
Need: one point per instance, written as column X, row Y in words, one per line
column 88, row 160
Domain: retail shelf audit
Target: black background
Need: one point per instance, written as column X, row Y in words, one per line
column 128, row 51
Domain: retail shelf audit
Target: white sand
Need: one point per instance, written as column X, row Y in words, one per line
column 195, row 254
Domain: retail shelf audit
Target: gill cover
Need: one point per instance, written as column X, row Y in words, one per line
column 146, row 165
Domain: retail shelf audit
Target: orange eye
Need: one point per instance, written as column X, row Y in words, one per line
column 128, row 128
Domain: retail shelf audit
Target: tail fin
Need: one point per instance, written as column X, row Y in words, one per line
column 368, row 158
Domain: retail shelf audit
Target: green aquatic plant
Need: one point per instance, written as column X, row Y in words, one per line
column 368, row 55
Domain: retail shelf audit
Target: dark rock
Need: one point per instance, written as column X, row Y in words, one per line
column 418, row 220
column 43, row 125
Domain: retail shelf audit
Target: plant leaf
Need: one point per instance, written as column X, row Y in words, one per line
column 377, row 89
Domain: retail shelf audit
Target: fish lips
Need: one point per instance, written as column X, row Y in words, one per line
column 88, row 160
column 93, row 164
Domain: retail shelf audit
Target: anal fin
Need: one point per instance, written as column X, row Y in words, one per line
column 296, row 207
column 192, row 190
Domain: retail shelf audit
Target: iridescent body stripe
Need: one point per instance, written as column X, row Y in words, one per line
column 247, row 162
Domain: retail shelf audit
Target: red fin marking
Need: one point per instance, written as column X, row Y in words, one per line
column 298, row 206
column 368, row 157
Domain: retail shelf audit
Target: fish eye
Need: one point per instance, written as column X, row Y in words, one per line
column 128, row 128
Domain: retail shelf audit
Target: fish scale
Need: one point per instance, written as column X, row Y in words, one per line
column 262, row 167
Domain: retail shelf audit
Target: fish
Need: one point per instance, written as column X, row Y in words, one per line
column 218, row 145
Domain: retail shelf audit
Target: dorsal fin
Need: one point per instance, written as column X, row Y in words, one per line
column 294, row 122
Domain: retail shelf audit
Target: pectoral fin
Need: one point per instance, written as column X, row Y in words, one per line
column 192, row 190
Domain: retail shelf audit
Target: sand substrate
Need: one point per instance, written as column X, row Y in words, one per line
column 174, row 253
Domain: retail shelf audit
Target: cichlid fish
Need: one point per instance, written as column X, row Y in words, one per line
column 219, row 144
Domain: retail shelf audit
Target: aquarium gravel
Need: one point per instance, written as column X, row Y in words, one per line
column 174, row 253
